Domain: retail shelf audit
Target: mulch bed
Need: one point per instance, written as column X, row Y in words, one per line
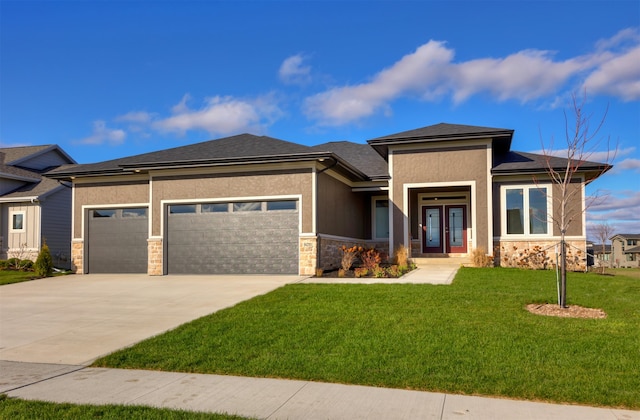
column 571, row 311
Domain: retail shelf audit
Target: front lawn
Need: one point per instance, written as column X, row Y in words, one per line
column 16, row 409
column 471, row 337
column 14, row 276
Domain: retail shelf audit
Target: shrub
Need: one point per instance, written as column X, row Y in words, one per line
column 379, row 272
column 349, row 256
column 44, row 262
column 394, row 271
column 26, row 265
column 4, row 264
column 13, row 263
column 370, row 259
column 480, row 258
column 319, row 272
column 361, row 271
column 402, row 256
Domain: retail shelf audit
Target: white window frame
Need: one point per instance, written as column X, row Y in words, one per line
column 526, row 222
column 374, row 231
column 12, row 214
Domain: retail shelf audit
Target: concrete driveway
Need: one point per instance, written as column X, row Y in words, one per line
column 74, row 320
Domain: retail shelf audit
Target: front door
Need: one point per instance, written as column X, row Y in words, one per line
column 444, row 229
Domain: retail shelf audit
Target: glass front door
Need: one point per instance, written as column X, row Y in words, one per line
column 444, row 229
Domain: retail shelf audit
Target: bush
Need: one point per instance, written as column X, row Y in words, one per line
column 361, row 272
column 44, row 262
column 4, row 264
column 26, row 265
column 402, row 256
column 480, row 258
column 370, row 259
column 13, row 263
column 349, row 256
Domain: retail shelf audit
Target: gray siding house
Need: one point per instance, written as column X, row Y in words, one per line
column 256, row 204
column 34, row 207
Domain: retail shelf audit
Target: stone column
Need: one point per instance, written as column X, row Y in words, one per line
column 77, row 256
column 155, row 256
column 308, row 259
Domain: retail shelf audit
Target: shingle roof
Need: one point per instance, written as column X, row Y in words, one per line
column 361, row 156
column 634, row 250
column 441, row 130
column 444, row 132
column 13, row 154
column 12, row 172
column 242, row 148
column 522, row 162
column 627, row 235
column 35, row 189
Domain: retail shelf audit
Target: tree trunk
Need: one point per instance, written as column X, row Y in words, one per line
column 563, row 274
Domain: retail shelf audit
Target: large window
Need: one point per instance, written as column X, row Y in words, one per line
column 526, row 210
column 381, row 218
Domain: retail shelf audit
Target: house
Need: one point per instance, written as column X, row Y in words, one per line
column 34, row 207
column 256, row 204
column 598, row 255
column 625, row 250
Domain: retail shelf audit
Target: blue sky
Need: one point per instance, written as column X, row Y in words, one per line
column 111, row 79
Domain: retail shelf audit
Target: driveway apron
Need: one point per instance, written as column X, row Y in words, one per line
column 75, row 319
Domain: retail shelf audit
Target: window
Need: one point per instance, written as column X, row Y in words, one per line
column 381, row 218
column 215, row 208
column 130, row 213
column 281, row 205
column 18, row 221
column 182, row 208
column 248, row 206
column 526, row 210
column 104, row 213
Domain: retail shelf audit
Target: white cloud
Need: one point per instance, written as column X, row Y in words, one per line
column 137, row 117
column 619, row 77
column 419, row 71
column 293, row 72
column 221, row 115
column 619, row 209
column 524, row 76
column 102, row 134
column 630, row 164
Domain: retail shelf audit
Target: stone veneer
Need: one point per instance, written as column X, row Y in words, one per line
column 155, row 256
column 77, row 256
column 539, row 254
column 308, row 260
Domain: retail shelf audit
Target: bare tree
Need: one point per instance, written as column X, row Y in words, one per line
column 603, row 231
column 581, row 143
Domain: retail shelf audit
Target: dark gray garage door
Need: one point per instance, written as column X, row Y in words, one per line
column 233, row 238
column 117, row 240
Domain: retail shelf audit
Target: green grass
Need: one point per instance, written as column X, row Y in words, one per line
column 17, row 409
column 10, row 276
column 472, row 337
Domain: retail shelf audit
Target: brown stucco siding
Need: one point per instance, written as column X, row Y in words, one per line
column 340, row 211
column 236, row 185
column 107, row 194
column 441, row 166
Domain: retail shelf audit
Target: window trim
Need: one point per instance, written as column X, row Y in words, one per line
column 526, row 221
column 14, row 213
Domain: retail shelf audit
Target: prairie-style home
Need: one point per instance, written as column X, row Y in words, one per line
column 256, row 204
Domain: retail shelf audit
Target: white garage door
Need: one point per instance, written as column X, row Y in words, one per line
column 257, row 237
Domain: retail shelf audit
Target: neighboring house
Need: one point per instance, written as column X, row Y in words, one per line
column 599, row 257
column 255, row 204
column 625, row 250
column 32, row 206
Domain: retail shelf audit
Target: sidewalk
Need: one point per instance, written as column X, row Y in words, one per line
column 270, row 398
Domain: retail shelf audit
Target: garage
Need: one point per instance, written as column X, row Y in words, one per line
column 249, row 237
column 117, row 240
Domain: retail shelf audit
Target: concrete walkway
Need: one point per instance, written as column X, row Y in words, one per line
column 271, row 398
column 73, row 382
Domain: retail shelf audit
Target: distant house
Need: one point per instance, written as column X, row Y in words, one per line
column 601, row 256
column 251, row 204
column 34, row 207
column 625, row 250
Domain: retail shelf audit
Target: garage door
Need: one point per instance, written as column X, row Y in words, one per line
column 258, row 237
column 117, row 240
